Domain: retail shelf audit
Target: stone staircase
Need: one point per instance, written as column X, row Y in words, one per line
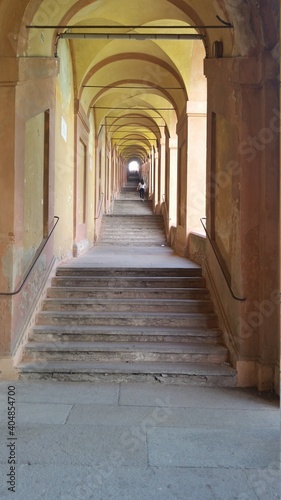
column 122, row 324
column 129, row 324
column 132, row 223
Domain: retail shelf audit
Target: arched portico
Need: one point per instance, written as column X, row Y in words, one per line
column 74, row 111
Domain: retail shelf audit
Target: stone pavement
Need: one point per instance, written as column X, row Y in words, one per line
column 134, row 441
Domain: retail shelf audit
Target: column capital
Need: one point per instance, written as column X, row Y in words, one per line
column 194, row 108
column 249, row 71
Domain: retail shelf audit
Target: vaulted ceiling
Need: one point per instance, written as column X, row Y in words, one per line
column 138, row 84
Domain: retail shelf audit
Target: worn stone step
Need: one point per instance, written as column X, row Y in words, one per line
column 134, row 220
column 132, row 241
column 125, row 351
column 153, row 272
column 124, row 232
column 142, row 210
column 129, row 281
column 138, row 233
column 128, row 293
column 175, row 320
column 119, row 305
column 205, row 374
column 101, row 333
column 133, row 226
column 132, row 209
column 140, row 238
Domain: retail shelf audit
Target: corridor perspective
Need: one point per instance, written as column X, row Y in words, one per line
column 140, row 338
column 183, row 94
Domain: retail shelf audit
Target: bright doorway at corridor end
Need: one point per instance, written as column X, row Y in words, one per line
column 134, row 167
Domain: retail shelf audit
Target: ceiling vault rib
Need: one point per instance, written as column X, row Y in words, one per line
column 148, row 87
column 127, row 36
column 134, row 109
column 131, row 36
column 104, row 26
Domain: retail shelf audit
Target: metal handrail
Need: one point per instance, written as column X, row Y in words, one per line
column 37, row 255
column 100, row 205
column 218, row 259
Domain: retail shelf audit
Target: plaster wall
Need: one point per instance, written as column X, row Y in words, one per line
column 33, row 184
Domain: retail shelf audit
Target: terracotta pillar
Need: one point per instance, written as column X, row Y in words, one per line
column 151, row 161
column 179, row 240
column 156, row 178
column 27, row 93
column 161, row 175
column 243, row 211
column 172, row 195
column 196, row 164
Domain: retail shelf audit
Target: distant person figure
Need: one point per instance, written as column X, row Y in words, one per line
column 141, row 188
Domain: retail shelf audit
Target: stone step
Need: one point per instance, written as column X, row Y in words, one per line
column 132, row 205
column 138, row 232
column 141, row 211
column 125, row 351
column 119, row 305
column 141, row 231
column 153, row 272
column 132, row 222
column 114, row 223
column 132, row 200
column 129, row 293
column 205, row 374
column 175, row 320
column 134, row 217
column 129, row 281
column 131, row 242
column 99, row 333
column 144, row 231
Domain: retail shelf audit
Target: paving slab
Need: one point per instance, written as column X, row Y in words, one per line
column 76, row 445
column 127, row 483
column 173, row 417
column 37, row 413
column 191, row 397
column 266, row 481
column 60, row 392
column 140, row 417
column 212, row 447
column 141, row 441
